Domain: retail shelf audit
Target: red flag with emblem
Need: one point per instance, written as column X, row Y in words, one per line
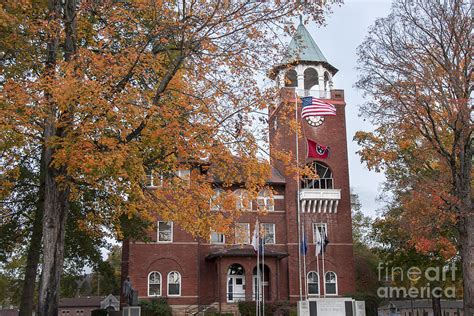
column 316, row 150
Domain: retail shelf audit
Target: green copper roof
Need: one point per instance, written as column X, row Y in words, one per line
column 303, row 47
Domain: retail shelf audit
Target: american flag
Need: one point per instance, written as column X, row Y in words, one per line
column 316, row 107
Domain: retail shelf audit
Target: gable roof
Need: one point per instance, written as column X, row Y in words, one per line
column 85, row 301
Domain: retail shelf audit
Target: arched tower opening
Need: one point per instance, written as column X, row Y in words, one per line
column 291, row 79
column 311, row 79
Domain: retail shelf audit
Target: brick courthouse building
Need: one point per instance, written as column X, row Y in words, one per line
column 191, row 273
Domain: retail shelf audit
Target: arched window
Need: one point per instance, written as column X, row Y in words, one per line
column 291, row 78
column 324, row 180
column 235, row 283
column 174, row 283
column 313, row 283
column 154, row 283
column 331, row 283
column 215, row 203
column 311, row 79
column 243, row 201
column 265, row 200
column 236, row 269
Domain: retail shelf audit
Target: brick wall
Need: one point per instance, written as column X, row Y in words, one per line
column 200, row 277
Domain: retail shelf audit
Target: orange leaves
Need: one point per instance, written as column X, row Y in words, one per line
column 152, row 86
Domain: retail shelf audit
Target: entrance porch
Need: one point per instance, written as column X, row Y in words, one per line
column 237, row 275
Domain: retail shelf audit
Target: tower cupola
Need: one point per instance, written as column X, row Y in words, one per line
column 304, row 67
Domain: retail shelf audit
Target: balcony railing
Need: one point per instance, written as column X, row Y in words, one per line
column 320, row 183
column 319, row 200
column 322, row 94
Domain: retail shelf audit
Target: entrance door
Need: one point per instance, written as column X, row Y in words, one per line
column 235, row 283
column 261, row 288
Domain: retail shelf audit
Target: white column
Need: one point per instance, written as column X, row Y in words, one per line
column 321, row 85
column 300, row 88
column 281, row 79
column 300, row 75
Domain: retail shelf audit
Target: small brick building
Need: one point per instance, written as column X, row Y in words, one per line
column 192, row 273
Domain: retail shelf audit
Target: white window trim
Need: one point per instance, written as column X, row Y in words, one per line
column 248, row 235
column 158, row 233
column 268, row 200
column 337, row 290
column 168, row 283
column 148, row 284
column 215, row 242
column 325, row 225
column 274, row 232
column 240, row 201
column 217, row 193
column 152, row 178
column 184, row 174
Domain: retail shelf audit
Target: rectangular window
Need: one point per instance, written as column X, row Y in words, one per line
column 268, row 231
column 184, row 175
column 154, row 180
column 321, row 228
column 242, row 233
column 173, row 289
column 217, row 238
column 165, row 231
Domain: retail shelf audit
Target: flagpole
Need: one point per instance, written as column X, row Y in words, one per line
column 317, row 263
column 263, row 277
column 304, row 259
column 257, row 245
column 298, row 196
column 323, row 251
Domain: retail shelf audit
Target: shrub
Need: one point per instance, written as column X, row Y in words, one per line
column 156, row 307
column 282, row 308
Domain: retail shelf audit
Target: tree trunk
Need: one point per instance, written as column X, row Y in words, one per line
column 31, row 269
column 436, row 304
column 467, row 257
column 466, row 218
column 56, row 195
column 54, row 229
column 34, row 252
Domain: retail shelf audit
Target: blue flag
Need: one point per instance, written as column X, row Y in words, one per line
column 304, row 247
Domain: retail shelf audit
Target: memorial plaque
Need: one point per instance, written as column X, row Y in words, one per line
column 360, row 308
column 303, row 308
column 331, row 308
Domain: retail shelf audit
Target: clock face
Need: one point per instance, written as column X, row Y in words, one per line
column 315, row 120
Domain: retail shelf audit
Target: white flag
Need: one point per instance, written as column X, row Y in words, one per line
column 319, row 244
column 255, row 237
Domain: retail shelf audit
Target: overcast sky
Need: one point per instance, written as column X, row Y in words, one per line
column 345, row 29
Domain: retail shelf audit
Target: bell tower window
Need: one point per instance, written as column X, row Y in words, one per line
column 324, row 180
column 291, row 79
column 311, row 79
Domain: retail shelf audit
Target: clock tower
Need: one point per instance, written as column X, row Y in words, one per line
column 317, row 206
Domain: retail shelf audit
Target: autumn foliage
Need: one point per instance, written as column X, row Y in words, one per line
column 105, row 93
column 416, row 73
